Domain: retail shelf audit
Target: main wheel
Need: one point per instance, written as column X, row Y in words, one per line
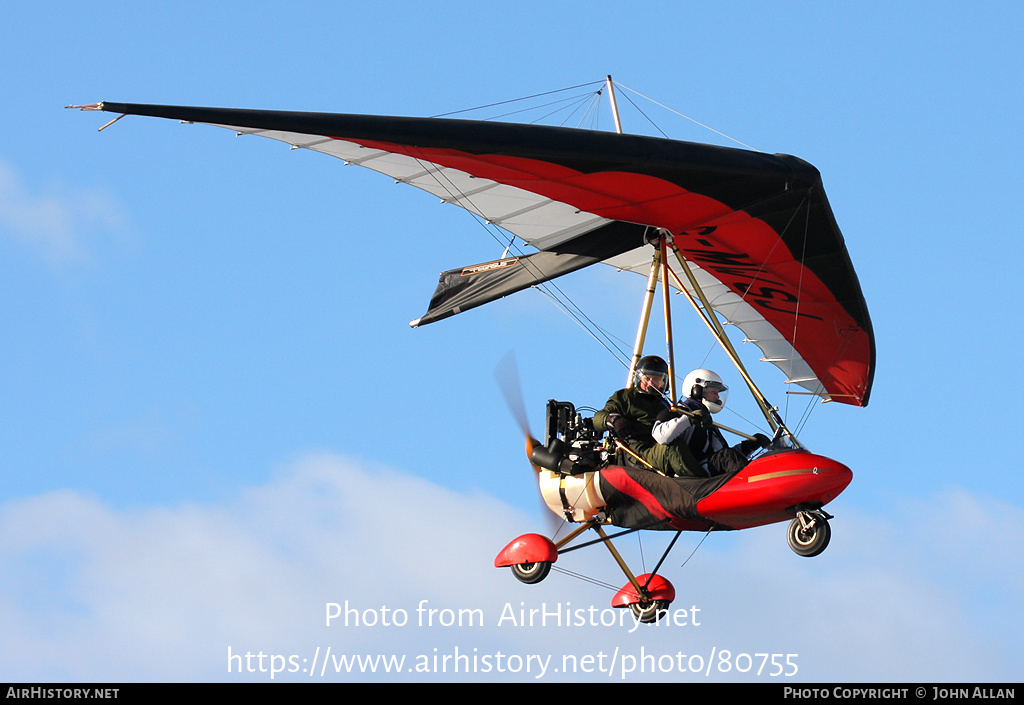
column 648, row 612
column 810, row 540
column 531, row 573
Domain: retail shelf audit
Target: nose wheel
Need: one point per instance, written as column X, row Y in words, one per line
column 809, row 533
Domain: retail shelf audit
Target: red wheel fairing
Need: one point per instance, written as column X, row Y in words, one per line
column 528, row 548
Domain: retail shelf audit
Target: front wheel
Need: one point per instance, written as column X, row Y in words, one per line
column 648, row 612
column 531, row 573
column 809, row 534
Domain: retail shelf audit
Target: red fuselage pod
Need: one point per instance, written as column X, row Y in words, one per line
column 528, row 548
column 767, row 490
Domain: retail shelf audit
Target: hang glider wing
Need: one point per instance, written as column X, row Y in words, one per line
column 757, row 228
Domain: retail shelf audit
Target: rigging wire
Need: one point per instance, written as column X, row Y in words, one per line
column 699, row 543
column 646, row 116
column 640, row 547
column 517, row 100
column 574, row 103
column 593, row 112
column 581, row 319
column 584, row 101
column 585, row 578
column 800, row 279
column 696, row 122
column 616, row 588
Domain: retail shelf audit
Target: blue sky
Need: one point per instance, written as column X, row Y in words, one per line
column 215, row 419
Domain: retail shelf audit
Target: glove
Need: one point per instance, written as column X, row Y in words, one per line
column 702, row 418
column 620, row 426
column 758, row 441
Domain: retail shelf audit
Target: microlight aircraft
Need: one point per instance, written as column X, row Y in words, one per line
column 748, row 238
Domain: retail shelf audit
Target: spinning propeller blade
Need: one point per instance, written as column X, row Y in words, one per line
column 507, row 373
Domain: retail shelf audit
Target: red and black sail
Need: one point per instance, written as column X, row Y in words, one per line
column 757, row 228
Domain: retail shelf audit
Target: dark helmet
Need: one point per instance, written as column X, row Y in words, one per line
column 651, row 371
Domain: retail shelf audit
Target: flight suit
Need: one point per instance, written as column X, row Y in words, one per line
column 642, row 410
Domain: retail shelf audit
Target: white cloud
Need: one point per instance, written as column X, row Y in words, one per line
column 55, row 222
column 162, row 592
column 93, row 592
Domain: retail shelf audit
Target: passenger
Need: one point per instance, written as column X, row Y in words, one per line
column 696, row 430
column 631, row 413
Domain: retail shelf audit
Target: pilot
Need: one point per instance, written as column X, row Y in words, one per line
column 631, row 413
column 696, row 430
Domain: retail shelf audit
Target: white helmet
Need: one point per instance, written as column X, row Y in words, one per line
column 699, row 382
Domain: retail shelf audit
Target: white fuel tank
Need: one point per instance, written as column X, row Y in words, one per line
column 582, row 494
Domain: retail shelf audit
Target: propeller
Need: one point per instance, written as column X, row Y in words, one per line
column 507, row 374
